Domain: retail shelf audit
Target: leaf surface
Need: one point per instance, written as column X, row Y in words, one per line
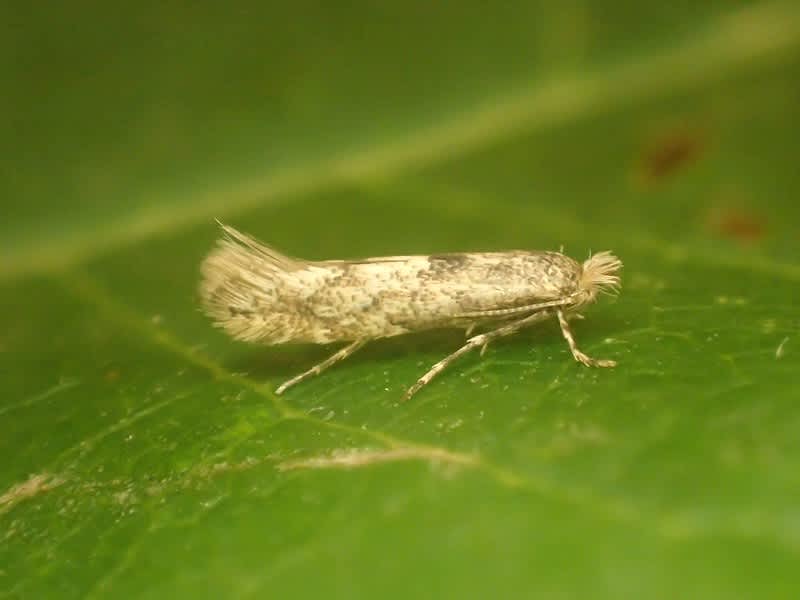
column 146, row 454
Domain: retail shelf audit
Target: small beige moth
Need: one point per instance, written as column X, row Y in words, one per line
column 257, row 294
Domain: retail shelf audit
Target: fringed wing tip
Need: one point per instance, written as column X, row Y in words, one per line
column 228, row 232
column 232, row 238
column 232, row 234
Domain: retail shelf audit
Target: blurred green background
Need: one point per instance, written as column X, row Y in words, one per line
column 145, row 454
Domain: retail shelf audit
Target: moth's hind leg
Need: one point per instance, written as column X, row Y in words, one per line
column 469, row 332
column 319, row 368
column 472, row 326
column 476, row 341
column 573, row 346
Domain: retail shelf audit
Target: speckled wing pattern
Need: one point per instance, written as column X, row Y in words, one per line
column 258, row 294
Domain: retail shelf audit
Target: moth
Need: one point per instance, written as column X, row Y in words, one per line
column 257, row 294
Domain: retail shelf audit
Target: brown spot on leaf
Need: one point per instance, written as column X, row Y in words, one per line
column 737, row 224
column 669, row 153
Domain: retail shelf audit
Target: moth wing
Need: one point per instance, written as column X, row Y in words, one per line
column 234, row 237
column 372, row 260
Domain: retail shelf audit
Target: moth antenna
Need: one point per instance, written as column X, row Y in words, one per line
column 601, row 274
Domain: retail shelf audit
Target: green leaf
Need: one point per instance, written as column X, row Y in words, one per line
column 146, row 455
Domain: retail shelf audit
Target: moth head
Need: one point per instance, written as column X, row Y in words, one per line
column 600, row 274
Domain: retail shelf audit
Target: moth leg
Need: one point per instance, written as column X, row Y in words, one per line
column 319, row 368
column 479, row 340
column 468, row 333
column 573, row 346
column 442, row 365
